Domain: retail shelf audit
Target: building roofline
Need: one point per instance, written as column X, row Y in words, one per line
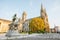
column 5, row 20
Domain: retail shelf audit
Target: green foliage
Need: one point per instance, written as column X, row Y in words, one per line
column 30, row 32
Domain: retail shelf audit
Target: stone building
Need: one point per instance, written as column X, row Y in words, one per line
column 4, row 25
column 44, row 16
column 22, row 22
column 57, row 28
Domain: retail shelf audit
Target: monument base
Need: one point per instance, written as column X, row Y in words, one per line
column 12, row 33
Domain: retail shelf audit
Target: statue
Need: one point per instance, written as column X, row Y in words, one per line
column 14, row 24
column 13, row 27
column 14, row 18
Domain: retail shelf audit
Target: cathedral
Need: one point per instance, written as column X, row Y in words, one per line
column 24, row 23
column 43, row 15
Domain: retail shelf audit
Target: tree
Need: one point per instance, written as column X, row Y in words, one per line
column 36, row 25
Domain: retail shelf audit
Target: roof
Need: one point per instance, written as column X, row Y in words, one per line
column 5, row 20
column 32, row 18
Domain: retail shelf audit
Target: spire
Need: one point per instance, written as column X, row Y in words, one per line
column 41, row 7
column 43, row 11
column 45, row 18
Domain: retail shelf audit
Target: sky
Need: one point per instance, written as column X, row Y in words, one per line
column 32, row 7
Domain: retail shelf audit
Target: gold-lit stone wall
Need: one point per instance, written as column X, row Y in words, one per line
column 4, row 25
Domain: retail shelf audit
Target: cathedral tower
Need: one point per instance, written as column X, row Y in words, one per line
column 24, row 16
column 45, row 18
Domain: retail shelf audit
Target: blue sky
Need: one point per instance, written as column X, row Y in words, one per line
column 9, row 7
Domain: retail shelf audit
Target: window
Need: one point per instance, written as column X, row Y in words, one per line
column 0, row 23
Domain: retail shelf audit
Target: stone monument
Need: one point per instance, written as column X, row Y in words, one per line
column 13, row 27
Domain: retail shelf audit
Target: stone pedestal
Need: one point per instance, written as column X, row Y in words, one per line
column 12, row 33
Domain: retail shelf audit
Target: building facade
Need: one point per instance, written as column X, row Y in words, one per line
column 4, row 25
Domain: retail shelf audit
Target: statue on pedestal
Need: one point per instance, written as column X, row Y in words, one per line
column 13, row 27
column 14, row 24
